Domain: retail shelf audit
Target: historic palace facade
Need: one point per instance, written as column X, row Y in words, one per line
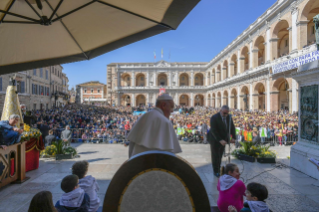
column 252, row 72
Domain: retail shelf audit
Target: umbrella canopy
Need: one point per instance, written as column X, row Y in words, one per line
column 39, row 33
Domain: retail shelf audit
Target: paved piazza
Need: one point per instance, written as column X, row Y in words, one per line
column 289, row 189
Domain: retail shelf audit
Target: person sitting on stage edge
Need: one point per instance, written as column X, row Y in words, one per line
column 255, row 195
column 74, row 199
column 50, row 138
column 87, row 183
column 9, row 134
column 42, row 201
column 231, row 189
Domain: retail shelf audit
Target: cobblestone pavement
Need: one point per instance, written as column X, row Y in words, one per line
column 289, row 190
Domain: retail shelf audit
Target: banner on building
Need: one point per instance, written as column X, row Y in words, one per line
column 161, row 91
column 295, row 62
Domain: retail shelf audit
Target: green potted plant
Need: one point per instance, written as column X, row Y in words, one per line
column 266, row 155
column 63, row 153
column 247, row 152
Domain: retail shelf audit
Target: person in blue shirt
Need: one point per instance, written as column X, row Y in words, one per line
column 9, row 134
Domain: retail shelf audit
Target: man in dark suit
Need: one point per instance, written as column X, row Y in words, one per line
column 218, row 136
column 44, row 129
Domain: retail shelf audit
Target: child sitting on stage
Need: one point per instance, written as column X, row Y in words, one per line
column 87, row 183
column 231, row 189
column 255, row 195
column 74, row 199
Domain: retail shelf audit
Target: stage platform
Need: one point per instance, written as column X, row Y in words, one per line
column 289, row 190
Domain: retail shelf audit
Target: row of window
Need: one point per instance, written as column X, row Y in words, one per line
column 41, row 106
column 98, row 90
column 41, row 73
column 40, row 90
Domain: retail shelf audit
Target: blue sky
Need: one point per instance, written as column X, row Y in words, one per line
column 208, row 29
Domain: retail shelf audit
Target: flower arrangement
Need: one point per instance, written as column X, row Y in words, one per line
column 267, row 154
column 249, row 149
column 57, row 148
column 49, row 151
column 29, row 133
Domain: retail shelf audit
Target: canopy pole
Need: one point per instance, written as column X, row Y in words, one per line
column 68, row 32
column 56, row 9
column 110, row 5
column 7, row 11
column 34, row 10
column 19, row 16
column 72, row 11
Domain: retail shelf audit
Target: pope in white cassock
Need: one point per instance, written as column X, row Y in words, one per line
column 154, row 130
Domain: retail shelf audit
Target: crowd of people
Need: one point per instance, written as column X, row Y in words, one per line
column 112, row 124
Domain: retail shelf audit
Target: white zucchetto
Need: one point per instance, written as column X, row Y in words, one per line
column 165, row 97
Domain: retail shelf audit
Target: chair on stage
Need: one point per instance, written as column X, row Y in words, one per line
column 156, row 181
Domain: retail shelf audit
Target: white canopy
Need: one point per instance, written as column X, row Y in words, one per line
column 73, row 30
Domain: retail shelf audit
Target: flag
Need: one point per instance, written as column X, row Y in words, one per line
column 162, row 54
column 154, row 54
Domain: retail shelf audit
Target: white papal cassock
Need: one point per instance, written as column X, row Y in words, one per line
column 153, row 131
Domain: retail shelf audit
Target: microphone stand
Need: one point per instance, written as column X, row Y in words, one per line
column 229, row 138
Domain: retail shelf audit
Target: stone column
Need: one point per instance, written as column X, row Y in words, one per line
column 228, row 102
column 290, row 100
column 294, row 98
column 177, row 79
column 81, row 95
column 232, row 102
column 224, row 73
column 274, row 48
column 119, row 99
column 222, row 101
column 154, row 98
column 267, row 95
column 274, row 95
column 133, row 100
column 176, row 99
column 169, row 79
column 242, row 64
column 231, row 69
column 213, row 80
column 206, row 102
column 294, row 33
column 268, row 49
column 255, row 98
column 148, row 79
column 238, row 98
column 192, row 78
column 192, row 100
column 147, row 98
column 255, row 58
column 154, row 79
column 238, row 62
column 217, row 76
column 228, row 69
column 250, row 96
column 207, row 79
column 133, row 79
column 302, row 39
column 290, row 38
column 251, row 55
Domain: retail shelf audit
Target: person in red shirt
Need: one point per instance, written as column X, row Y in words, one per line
column 127, row 128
